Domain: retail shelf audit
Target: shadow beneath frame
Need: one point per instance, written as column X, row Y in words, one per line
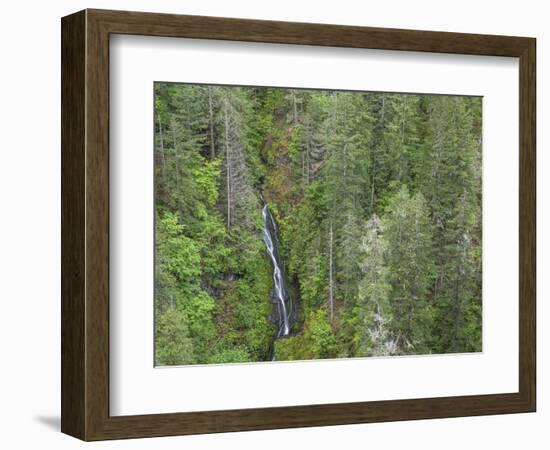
column 51, row 422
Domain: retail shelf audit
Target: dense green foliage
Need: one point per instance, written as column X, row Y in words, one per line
column 377, row 197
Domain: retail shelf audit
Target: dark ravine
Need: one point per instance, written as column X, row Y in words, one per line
column 281, row 295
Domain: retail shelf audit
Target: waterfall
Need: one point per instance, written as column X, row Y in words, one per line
column 281, row 291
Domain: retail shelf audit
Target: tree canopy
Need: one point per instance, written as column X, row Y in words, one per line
column 377, row 200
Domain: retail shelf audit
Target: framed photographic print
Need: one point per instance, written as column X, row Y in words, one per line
column 271, row 224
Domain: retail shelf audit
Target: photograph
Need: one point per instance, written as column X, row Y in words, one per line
column 284, row 220
column 305, row 224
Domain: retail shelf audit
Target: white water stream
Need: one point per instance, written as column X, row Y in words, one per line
column 270, row 239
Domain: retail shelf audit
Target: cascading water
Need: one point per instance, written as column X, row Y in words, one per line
column 281, row 291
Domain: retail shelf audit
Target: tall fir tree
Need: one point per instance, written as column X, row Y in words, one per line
column 411, row 269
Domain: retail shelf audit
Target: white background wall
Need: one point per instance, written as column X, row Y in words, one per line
column 30, row 225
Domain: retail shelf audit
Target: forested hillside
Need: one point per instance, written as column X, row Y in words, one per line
column 376, row 201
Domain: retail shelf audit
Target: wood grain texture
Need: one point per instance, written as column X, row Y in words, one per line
column 527, row 224
column 85, row 224
column 170, row 25
column 73, row 109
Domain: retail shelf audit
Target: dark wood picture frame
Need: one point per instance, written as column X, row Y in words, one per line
column 85, row 224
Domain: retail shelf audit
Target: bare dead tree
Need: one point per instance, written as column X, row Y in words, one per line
column 331, row 278
column 227, row 160
column 211, row 123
